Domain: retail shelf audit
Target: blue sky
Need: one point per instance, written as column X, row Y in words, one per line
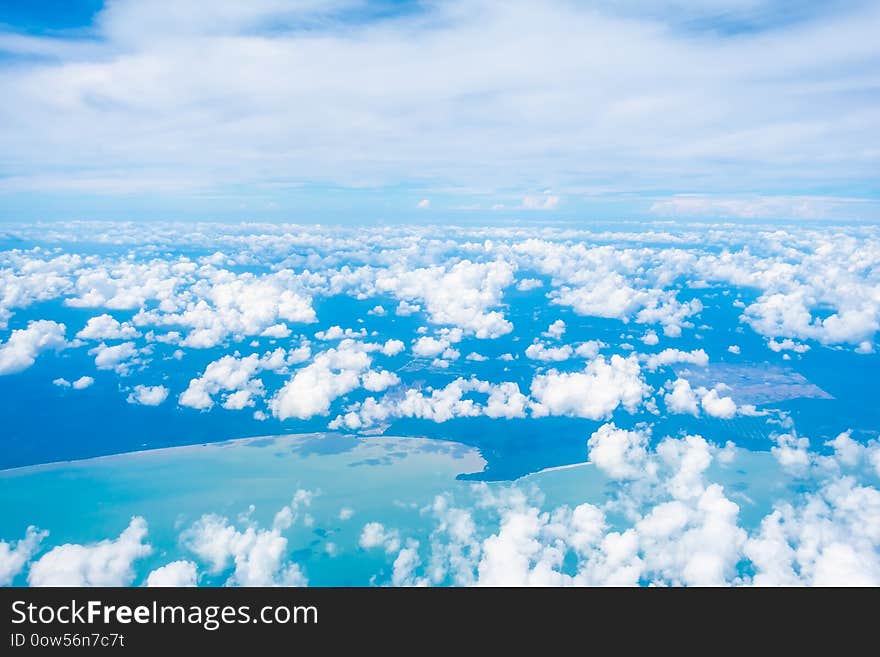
column 349, row 111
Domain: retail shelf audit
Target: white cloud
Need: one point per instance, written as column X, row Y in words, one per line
column 405, row 566
column 556, row 330
column 673, row 356
column 256, row 556
column 590, row 118
column 106, row 327
column 674, row 526
column 650, row 338
column 82, row 383
column 424, row 204
column 280, row 330
column 218, row 304
column 540, row 351
column 377, row 381
column 589, row 349
column 338, row 333
column 787, row 345
column 681, row 398
column 620, row 454
column 374, row 535
column 148, row 395
column 404, row 308
column 24, row 345
column 393, row 347
column 694, row 545
column 792, row 452
column 119, row 358
column 176, row 573
column 14, row 555
column 526, row 284
column 503, row 400
column 595, row 393
column 106, row 563
column 236, row 376
column 428, row 347
column 289, row 514
column 462, row 295
column 829, row 539
column 716, row 406
column 330, row 375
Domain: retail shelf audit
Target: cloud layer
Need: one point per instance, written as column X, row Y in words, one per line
column 553, row 100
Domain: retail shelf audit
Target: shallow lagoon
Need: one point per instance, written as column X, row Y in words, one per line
column 390, row 480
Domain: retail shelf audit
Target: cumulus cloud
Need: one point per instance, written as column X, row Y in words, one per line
column 376, row 381
column 594, row 393
column 830, row 538
column 540, row 351
column 661, row 521
column 717, row 406
column 106, row 563
column 235, row 376
column 314, row 387
column 792, row 452
column 280, row 330
column 82, row 383
column 526, row 284
column 218, row 304
column 556, row 330
column 428, row 347
column 650, row 338
column 14, row 555
column 589, row 349
column 680, row 528
column 619, row 453
column 682, row 398
column 24, row 345
column 502, row 400
column 338, row 333
column 393, row 347
column 255, row 556
column 667, row 357
column 176, row 573
column 787, row 345
column 106, row 327
column 148, row 395
column 120, row 358
column 462, row 295
column 374, row 535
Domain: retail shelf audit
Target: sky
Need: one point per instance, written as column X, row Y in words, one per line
column 486, row 111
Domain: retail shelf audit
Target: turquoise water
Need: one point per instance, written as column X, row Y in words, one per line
column 379, row 479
